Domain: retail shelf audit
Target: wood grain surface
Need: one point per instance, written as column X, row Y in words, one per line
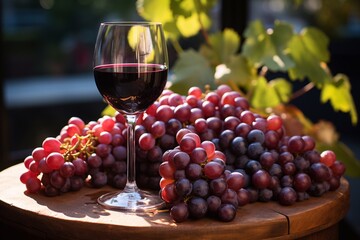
column 76, row 215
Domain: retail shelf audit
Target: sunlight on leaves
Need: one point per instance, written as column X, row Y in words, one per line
column 237, row 70
column 269, row 94
column 186, row 72
column 338, row 93
column 268, row 46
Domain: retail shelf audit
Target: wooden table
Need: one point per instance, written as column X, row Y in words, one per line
column 76, row 215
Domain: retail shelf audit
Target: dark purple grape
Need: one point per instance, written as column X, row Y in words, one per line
column 260, row 179
column 227, row 110
column 252, row 166
column 193, row 171
column 183, row 187
column 319, row 172
column 200, row 188
column 155, row 154
column 301, row 163
column 317, row 189
column 243, row 197
column 230, row 196
column 302, row 196
column 77, row 183
column 214, row 203
column 255, row 149
column 56, row 180
column 271, row 139
column 181, row 160
column 334, row 183
column 242, row 130
column 302, row 182
column 108, row 161
column 253, row 194
column 287, row 181
column 241, row 161
column 231, row 123
column 238, row 146
column 217, row 186
column 289, row 168
column 102, row 150
column 167, row 142
column 67, row 169
column 182, row 112
column 81, row 167
column 287, row 196
column 179, row 174
column 215, row 123
column 265, row 195
column 179, row 212
column 338, row 168
column 197, row 207
column 119, row 167
column 226, row 138
column 256, row 135
column 285, row 157
column 214, row 169
column 267, row 159
column 235, row 181
column 312, row 156
column 99, row 179
column 94, row 161
column 198, row 155
column 50, row 191
column 226, row 212
column 296, row 144
column 119, row 181
column 66, row 187
column 275, row 170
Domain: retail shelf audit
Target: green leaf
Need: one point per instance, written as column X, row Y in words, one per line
column 309, row 50
column 269, row 94
column 338, row 92
column 236, row 69
column 108, row 111
column 268, row 47
column 283, row 89
column 345, row 155
column 191, row 69
column 156, row 11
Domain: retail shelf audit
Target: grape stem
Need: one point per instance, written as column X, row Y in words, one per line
column 302, row 91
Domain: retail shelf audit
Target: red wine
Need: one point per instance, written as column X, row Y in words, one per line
column 130, row 88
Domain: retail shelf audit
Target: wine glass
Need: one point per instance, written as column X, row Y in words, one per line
column 130, row 71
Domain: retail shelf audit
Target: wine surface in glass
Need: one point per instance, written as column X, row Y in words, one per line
column 130, row 87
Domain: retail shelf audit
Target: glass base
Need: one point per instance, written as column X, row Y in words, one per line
column 131, row 201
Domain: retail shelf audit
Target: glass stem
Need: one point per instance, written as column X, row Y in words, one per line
column 131, row 154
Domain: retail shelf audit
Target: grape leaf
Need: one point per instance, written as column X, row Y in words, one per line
column 268, row 47
column 108, row 111
column 190, row 69
column 237, row 70
column 343, row 154
column 270, row 94
column 308, row 50
column 338, row 92
column 155, row 11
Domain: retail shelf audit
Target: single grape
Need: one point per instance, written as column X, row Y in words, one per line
column 235, row 181
column 197, row 207
column 55, row 160
column 302, row 182
column 183, row 187
column 287, row 196
column 67, row 170
column 217, row 186
column 226, row 212
column 328, row 157
column 200, row 188
column 213, row 169
column 261, row 179
column 179, row 212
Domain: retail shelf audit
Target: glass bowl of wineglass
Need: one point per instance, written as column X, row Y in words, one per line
column 130, row 71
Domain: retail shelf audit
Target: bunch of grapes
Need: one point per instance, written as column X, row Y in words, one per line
column 93, row 154
column 208, row 153
column 268, row 165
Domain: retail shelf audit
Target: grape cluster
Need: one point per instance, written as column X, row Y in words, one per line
column 255, row 160
column 207, row 153
column 93, row 154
